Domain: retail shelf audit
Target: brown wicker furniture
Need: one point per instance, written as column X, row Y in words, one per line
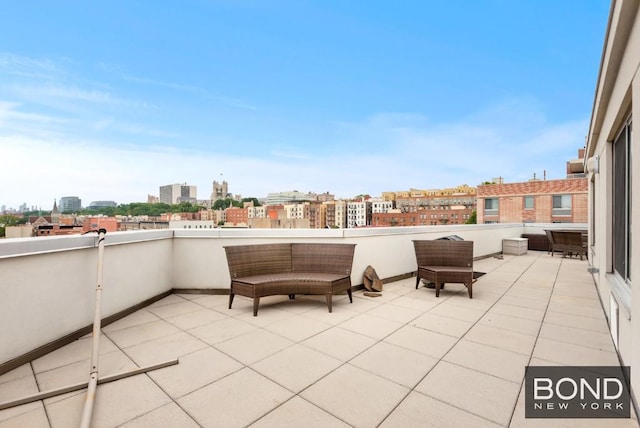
column 537, row 241
column 550, row 239
column 442, row 261
column 569, row 242
column 289, row 269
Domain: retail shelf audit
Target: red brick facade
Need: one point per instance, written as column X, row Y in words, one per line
column 511, row 201
column 237, row 216
column 422, row 217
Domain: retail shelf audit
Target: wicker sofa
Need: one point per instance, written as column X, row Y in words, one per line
column 288, row 269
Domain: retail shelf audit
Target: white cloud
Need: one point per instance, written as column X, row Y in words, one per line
column 23, row 66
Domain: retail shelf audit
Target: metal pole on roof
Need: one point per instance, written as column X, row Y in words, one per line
column 95, row 352
column 91, row 385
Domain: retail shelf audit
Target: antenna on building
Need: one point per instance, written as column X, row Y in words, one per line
column 545, row 175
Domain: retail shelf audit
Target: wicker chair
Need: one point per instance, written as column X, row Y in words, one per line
column 569, row 242
column 550, row 238
column 442, row 261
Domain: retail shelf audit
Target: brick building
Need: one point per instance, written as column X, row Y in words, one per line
column 537, row 201
column 110, row 224
column 317, row 215
column 237, row 216
column 423, row 217
column 540, row 201
column 417, row 207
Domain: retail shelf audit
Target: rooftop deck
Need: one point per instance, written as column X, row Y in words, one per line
column 404, row 359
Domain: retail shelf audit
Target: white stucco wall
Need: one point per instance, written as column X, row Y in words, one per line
column 47, row 285
column 617, row 97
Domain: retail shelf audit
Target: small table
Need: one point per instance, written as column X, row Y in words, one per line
column 515, row 246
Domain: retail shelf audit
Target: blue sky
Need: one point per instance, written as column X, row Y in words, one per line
column 110, row 100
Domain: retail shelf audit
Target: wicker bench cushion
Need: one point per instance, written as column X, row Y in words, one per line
column 292, row 278
column 461, row 269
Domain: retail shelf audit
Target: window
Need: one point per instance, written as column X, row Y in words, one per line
column 561, row 205
column 528, row 202
column 491, row 206
column 592, row 223
column 622, row 202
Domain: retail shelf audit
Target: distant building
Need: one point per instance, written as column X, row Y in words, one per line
column 537, row 201
column 276, row 217
column 256, row 212
column 325, row 197
column 237, row 217
column 179, row 216
column 416, row 207
column 340, row 215
column 139, row 224
column 69, row 204
column 220, row 191
column 330, row 215
column 110, row 224
column 358, row 214
column 57, row 229
column 381, row 206
column 21, row 231
column 102, row 204
column 295, row 210
column 55, row 214
column 152, row 199
column 317, row 214
column 176, row 193
column 288, row 198
column 191, row 224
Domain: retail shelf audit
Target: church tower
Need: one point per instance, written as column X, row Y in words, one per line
column 55, row 214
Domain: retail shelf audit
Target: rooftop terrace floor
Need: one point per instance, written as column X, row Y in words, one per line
column 403, row 359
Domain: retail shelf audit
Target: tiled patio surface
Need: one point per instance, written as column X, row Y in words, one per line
column 406, row 359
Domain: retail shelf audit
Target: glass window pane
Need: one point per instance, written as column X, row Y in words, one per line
column 620, row 207
column 528, row 202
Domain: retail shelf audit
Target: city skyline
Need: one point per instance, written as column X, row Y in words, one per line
column 109, row 101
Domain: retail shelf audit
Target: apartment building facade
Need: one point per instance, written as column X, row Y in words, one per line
column 237, row 217
column 256, row 212
column 379, row 206
column 176, row 193
column 358, row 214
column 537, row 201
column 70, row 204
column 543, row 201
column 340, row 214
column 317, row 214
column 431, row 207
column 295, row 210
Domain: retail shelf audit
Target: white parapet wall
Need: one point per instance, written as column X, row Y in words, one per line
column 47, row 284
column 200, row 262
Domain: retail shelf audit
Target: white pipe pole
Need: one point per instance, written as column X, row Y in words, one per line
column 93, row 374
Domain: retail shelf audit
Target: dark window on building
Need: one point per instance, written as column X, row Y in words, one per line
column 528, row 203
column 491, row 206
column 622, row 202
column 592, row 224
column 561, row 205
